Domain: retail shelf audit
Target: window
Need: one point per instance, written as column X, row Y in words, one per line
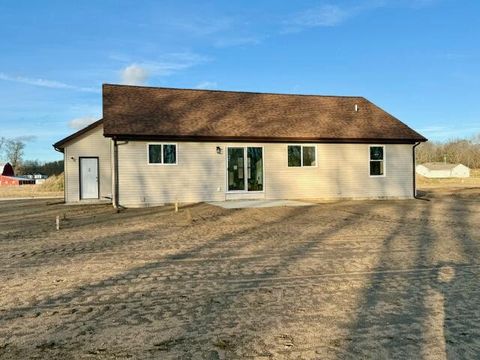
column 299, row 155
column 294, row 155
column 377, row 159
column 308, row 155
column 169, row 154
column 154, row 154
column 162, row 154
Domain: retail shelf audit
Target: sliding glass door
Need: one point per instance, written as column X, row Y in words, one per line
column 245, row 175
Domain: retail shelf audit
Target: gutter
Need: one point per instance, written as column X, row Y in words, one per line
column 262, row 139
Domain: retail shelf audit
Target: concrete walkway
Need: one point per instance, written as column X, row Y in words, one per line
column 242, row 204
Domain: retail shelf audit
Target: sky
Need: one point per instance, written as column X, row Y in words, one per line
column 417, row 59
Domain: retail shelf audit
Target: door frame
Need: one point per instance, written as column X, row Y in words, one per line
column 80, row 175
column 245, row 166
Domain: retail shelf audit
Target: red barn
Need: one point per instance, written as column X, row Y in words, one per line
column 7, row 177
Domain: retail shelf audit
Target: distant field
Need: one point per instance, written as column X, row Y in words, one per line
column 473, row 180
column 33, row 191
column 52, row 187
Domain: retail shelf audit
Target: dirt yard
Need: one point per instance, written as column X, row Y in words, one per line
column 385, row 279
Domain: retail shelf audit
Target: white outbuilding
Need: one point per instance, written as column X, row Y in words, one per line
column 443, row 170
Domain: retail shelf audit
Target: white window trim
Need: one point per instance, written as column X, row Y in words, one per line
column 384, row 161
column 244, row 169
column 161, row 153
column 301, row 156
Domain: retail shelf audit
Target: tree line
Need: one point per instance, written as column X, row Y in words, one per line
column 463, row 151
column 12, row 150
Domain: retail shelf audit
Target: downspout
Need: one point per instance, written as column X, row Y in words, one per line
column 414, row 172
column 116, row 202
column 115, row 173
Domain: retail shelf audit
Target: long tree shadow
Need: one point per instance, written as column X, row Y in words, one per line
column 207, row 311
column 458, row 284
column 388, row 321
column 429, row 310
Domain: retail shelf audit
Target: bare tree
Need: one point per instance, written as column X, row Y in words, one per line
column 464, row 151
column 14, row 152
column 2, row 146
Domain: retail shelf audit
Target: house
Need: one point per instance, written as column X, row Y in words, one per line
column 38, row 178
column 443, row 170
column 8, row 178
column 161, row 145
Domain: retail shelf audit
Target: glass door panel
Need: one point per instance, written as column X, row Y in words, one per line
column 236, row 169
column 255, row 168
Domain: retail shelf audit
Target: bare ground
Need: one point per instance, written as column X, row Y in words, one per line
column 385, row 279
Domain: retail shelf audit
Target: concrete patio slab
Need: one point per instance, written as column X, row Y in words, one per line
column 243, row 204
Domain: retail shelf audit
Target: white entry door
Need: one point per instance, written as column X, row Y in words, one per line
column 89, row 178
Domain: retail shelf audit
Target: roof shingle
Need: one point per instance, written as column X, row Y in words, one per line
column 138, row 112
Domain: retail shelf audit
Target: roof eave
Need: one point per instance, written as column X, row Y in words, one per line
column 264, row 139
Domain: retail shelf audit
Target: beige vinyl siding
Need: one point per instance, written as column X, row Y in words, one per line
column 92, row 143
column 197, row 176
column 342, row 171
column 200, row 174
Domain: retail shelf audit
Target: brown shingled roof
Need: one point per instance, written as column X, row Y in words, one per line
column 146, row 112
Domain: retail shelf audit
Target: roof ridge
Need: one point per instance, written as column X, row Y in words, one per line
column 232, row 91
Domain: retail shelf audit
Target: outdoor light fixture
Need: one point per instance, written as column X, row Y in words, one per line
column 219, row 150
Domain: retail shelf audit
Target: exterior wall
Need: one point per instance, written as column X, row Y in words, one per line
column 459, row 171
column 200, row 174
column 92, row 143
column 422, row 170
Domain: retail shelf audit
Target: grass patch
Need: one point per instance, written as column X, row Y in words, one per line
column 53, row 186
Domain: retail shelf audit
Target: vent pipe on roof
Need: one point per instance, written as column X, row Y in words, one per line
column 356, row 107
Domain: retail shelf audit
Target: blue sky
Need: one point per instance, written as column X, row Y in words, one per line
column 417, row 59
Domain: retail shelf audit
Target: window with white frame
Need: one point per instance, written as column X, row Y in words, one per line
column 377, row 160
column 302, row 155
column 162, row 154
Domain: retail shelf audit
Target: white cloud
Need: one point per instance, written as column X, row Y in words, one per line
column 329, row 15
column 45, row 83
column 448, row 132
column 134, row 75
column 81, row 122
column 26, row 138
column 324, row 15
column 174, row 62
column 238, row 41
column 199, row 26
column 207, row 85
column 139, row 72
